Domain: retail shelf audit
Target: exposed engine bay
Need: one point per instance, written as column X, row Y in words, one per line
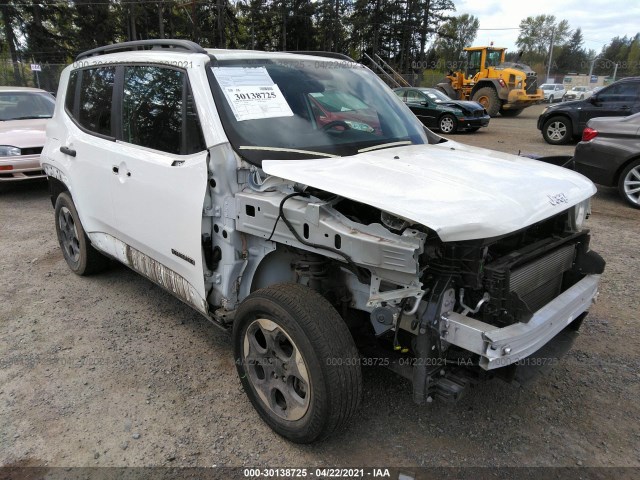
column 401, row 288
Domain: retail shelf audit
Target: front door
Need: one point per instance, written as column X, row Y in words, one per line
column 619, row 100
column 160, row 164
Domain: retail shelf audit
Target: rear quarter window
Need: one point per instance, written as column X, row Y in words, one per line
column 96, row 95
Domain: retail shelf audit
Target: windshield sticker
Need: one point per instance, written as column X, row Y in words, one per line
column 253, row 103
column 251, row 93
column 242, row 76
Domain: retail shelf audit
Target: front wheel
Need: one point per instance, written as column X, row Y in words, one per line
column 297, row 361
column 629, row 184
column 557, row 130
column 81, row 257
column 551, row 99
column 488, row 98
column 448, row 124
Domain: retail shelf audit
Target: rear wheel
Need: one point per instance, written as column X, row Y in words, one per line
column 514, row 112
column 629, row 184
column 448, row 124
column 488, row 98
column 557, row 130
column 297, row 361
column 81, row 257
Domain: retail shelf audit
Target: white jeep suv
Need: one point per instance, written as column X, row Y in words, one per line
column 324, row 246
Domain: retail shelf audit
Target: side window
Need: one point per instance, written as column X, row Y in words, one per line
column 620, row 92
column 415, row 97
column 70, row 96
column 95, row 99
column 158, row 110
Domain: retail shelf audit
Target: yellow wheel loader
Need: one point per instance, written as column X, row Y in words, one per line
column 501, row 87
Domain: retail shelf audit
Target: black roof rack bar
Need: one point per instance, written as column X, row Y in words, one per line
column 338, row 56
column 142, row 45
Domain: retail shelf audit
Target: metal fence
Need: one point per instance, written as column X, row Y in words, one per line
column 18, row 74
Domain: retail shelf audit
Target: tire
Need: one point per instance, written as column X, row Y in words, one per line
column 551, row 99
column 581, row 97
column 76, row 248
column 310, row 401
column 488, row 98
column 448, row 124
column 511, row 113
column 557, row 130
column 455, row 95
column 629, row 184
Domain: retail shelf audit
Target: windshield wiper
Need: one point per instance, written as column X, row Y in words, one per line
column 385, row 145
column 288, row 150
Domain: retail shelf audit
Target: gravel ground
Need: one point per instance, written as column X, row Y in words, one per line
column 111, row 371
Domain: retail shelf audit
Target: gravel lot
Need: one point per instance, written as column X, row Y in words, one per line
column 111, row 371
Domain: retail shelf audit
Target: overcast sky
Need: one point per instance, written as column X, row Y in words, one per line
column 600, row 20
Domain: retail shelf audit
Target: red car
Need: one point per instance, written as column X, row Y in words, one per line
column 340, row 108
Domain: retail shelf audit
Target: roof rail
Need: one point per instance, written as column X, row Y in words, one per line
column 339, row 56
column 142, row 45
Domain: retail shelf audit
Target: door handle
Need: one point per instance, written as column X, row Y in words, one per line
column 68, row 151
column 116, row 170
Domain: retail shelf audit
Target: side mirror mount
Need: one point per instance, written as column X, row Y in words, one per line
column 594, row 99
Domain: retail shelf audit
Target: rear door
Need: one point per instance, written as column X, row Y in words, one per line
column 160, row 171
column 82, row 142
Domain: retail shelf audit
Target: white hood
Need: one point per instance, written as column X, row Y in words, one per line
column 461, row 192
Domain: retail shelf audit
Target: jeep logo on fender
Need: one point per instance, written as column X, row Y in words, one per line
column 557, row 199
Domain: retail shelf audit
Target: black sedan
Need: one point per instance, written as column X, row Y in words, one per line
column 436, row 110
column 609, row 154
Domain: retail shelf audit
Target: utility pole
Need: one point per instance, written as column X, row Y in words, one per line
column 553, row 34
column 615, row 70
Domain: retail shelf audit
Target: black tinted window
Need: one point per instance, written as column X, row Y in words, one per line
column 625, row 91
column 95, row 99
column 158, row 112
column 70, row 96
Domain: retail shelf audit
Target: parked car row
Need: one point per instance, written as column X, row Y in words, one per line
column 561, row 123
column 557, row 92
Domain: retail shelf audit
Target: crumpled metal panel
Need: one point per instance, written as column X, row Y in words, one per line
column 163, row 276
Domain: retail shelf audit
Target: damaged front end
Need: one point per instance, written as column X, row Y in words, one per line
column 442, row 314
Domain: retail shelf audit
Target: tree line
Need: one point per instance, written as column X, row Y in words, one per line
column 412, row 35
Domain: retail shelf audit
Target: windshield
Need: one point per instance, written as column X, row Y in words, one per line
column 436, row 96
column 293, row 109
column 25, row 105
column 547, row 87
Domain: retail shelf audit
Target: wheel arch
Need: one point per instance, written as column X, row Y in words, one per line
column 503, row 93
column 56, row 187
column 624, row 165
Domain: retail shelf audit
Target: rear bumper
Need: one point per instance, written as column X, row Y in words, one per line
column 499, row 347
column 22, row 168
column 600, row 160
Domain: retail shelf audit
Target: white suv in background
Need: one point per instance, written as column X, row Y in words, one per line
column 553, row 92
column 323, row 246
